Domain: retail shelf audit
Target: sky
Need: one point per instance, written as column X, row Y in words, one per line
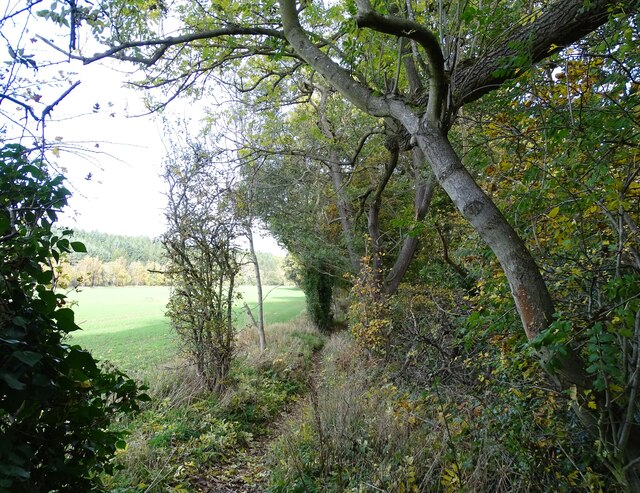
column 116, row 182
column 112, row 156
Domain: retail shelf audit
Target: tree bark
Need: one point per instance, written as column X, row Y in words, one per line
column 344, row 209
column 558, row 26
column 373, row 218
column 342, row 202
column 260, row 322
column 424, row 194
column 528, row 288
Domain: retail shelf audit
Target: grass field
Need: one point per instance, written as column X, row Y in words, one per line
column 127, row 325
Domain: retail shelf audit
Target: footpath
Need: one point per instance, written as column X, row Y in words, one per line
column 246, row 470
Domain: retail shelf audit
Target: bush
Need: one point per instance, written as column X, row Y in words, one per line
column 318, row 283
column 361, row 429
column 56, row 403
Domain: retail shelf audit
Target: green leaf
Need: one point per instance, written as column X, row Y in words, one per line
column 5, row 223
column 64, row 245
column 78, row 247
column 592, row 368
column 48, row 297
column 12, row 381
column 79, row 359
column 45, row 277
column 66, row 319
column 15, row 471
column 607, row 337
column 30, row 358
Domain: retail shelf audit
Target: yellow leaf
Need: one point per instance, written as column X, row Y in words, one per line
column 553, row 212
column 592, row 405
column 56, row 151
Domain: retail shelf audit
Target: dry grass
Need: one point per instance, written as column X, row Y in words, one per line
column 357, row 430
column 360, row 431
column 187, row 430
column 280, row 340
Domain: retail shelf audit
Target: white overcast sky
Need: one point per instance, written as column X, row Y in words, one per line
column 124, row 155
column 124, row 193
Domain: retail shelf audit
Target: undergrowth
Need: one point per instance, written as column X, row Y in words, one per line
column 186, row 430
column 462, row 423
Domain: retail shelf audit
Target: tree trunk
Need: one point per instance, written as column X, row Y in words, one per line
column 373, row 218
column 342, row 201
column 424, row 193
column 527, row 286
column 344, row 209
column 256, row 266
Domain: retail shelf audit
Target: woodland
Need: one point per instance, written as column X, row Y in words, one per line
column 121, row 260
column 458, row 187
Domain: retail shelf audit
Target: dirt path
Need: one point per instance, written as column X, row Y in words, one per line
column 246, row 471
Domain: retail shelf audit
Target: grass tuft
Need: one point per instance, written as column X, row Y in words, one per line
column 186, row 434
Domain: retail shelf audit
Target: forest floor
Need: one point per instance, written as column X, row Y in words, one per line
column 246, row 470
column 189, row 440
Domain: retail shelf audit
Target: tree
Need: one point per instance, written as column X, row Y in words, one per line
column 203, row 260
column 243, row 205
column 256, row 266
column 557, row 151
column 475, row 52
column 56, row 402
column 91, row 270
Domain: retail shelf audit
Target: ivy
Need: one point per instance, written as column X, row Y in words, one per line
column 56, row 401
column 317, row 284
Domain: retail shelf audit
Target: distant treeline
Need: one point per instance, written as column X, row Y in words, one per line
column 108, row 247
column 119, row 260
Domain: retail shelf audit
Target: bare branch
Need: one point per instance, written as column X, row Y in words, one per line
column 163, row 44
column 50, row 107
column 28, row 108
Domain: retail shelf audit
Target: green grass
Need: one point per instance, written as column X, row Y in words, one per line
column 281, row 305
column 127, row 325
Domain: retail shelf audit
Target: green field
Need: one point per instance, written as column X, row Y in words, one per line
column 127, row 325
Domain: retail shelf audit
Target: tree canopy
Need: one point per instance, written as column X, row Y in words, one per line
column 500, row 137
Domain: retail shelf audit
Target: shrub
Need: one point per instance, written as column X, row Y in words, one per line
column 56, row 402
column 203, row 261
column 477, row 430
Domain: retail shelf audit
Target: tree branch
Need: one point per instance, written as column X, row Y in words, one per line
column 50, row 107
column 47, row 110
column 398, row 26
column 560, row 24
column 27, row 108
column 163, row 44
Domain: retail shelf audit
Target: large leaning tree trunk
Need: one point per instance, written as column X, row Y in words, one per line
column 559, row 25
